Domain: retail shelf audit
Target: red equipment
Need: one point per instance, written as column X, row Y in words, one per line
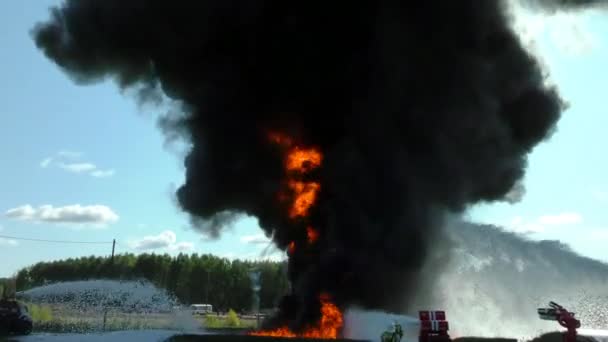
column 433, row 327
column 564, row 317
column 431, row 315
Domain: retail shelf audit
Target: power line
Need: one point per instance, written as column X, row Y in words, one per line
column 55, row 241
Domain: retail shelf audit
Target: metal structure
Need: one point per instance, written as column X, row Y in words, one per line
column 565, row 318
column 256, row 286
column 433, row 327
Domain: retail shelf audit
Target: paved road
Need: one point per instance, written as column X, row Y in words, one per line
column 114, row 336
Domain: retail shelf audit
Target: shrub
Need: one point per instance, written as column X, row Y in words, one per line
column 233, row 319
column 211, row 321
column 40, row 313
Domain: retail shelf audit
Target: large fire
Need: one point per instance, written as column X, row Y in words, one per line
column 328, row 326
column 303, row 194
column 298, row 162
column 303, row 160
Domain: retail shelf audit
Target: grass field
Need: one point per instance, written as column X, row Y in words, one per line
column 231, row 320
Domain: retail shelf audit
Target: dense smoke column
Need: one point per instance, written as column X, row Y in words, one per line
column 419, row 107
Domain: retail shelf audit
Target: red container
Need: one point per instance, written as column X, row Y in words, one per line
column 434, row 326
column 432, row 315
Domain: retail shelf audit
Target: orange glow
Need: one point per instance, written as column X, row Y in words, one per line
column 303, row 160
column 302, row 195
column 305, row 194
column 280, row 139
column 292, row 247
column 312, row 234
column 299, row 161
column 328, row 327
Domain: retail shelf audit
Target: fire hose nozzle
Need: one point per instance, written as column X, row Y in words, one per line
column 548, row 314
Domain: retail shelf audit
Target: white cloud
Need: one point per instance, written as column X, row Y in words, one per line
column 78, row 167
column 560, row 219
column 103, row 173
column 162, row 240
column 519, row 225
column 540, row 225
column 68, row 161
column 45, row 162
column 255, row 239
column 182, row 246
column 8, row 242
column 516, row 194
column 166, row 239
column 276, row 255
column 73, row 214
column 266, row 250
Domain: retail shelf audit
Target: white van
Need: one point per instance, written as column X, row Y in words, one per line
column 201, row 309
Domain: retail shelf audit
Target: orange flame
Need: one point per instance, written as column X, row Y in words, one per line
column 305, row 194
column 299, row 161
column 312, row 234
column 328, row 326
column 280, row 139
column 291, row 247
column 303, row 160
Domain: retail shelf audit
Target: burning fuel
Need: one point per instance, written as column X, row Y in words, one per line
column 328, row 327
column 298, row 163
column 389, row 114
column 312, row 234
column 305, row 195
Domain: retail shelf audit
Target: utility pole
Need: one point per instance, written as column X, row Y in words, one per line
column 207, row 288
column 113, row 246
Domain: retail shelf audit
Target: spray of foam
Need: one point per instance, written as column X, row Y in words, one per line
column 494, row 283
column 97, row 297
column 498, row 279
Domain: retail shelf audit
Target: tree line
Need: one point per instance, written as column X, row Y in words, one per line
column 7, row 287
column 206, row 278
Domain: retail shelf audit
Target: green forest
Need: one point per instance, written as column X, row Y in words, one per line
column 223, row 283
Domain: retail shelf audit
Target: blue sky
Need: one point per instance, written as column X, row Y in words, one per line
column 89, row 155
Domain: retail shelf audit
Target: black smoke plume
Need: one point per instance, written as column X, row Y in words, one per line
column 419, row 107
